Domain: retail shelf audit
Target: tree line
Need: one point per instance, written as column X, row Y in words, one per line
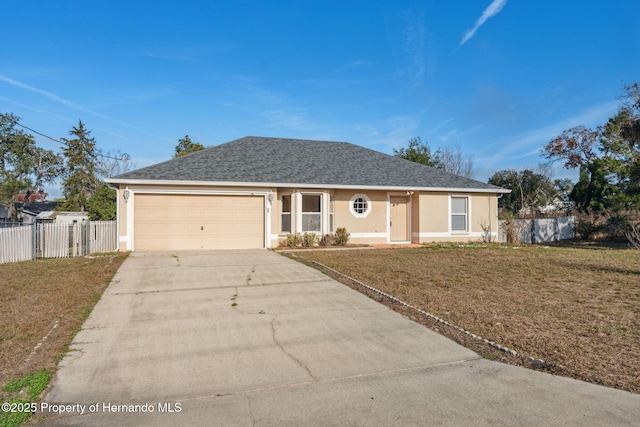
column 607, row 157
column 26, row 168
column 531, row 189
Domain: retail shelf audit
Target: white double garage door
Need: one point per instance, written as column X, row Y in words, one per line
column 182, row 222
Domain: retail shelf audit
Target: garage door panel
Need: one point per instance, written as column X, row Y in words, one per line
column 166, row 222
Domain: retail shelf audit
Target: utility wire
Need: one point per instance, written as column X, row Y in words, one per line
column 124, row 156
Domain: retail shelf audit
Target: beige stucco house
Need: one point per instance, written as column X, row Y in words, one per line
column 253, row 191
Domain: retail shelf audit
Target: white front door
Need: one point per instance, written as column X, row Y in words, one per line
column 398, row 219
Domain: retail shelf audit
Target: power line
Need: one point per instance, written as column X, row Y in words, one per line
column 41, row 134
column 124, row 156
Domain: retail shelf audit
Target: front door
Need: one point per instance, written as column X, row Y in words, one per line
column 398, row 219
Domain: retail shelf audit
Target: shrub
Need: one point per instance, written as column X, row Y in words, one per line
column 342, row 237
column 633, row 235
column 513, row 229
column 327, row 240
column 617, row 224
column 309, row 239
column 293, row 240
column 486, row 233
column 587, row 227
column 608, row 224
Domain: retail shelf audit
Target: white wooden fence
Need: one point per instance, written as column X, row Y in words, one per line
column 17, row 244
column 52, row 240
column 542, row 230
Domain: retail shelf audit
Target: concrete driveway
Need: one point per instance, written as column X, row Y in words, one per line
column 251, row 338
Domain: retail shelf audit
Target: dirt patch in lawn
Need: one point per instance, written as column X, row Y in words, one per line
column 43, row 304
column 577, row 308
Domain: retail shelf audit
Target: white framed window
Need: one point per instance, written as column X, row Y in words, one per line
column 331, row 214
column 459, row 214
column 285, row 215
column 360, row 205
column 312, row 213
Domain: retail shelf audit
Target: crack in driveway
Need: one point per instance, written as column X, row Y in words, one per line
column 253, row 270
column 291, row 356
column 191, row 289
column 253, row 419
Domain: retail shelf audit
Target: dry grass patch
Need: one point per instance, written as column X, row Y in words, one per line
column 575, row 307
column 47, row 298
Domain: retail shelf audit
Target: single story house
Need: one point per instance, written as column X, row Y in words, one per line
column 253, row 191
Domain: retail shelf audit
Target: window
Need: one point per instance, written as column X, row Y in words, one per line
column 330, row 214
column 360, row 205
column 285, row 216
column 311, row 213
column 459, row 213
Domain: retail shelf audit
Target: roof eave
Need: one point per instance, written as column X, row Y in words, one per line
column 302, row 185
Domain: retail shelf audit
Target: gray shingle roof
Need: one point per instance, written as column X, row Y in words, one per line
column 300, row 162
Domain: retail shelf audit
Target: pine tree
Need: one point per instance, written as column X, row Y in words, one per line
column 187, row 146
column 81, row 169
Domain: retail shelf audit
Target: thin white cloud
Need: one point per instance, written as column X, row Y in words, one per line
column 70, row 104
column 492, row 10
column 440, row 125
column 291, row 119
column 414, row 37
column 393, row 132
column 49, row 95
column 530, row 144
column 32, row 108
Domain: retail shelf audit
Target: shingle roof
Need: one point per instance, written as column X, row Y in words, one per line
column 299, row 162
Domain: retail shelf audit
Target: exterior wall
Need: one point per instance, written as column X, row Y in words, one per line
column 415, row 217
column 435, row 217
column 277, row 235
column 484, row 214
column 122, row 219
column 429, row 213
column 372, row 228
column 434, row 211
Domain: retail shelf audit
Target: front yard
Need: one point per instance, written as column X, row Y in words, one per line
column 577, row 308
column 43, row 304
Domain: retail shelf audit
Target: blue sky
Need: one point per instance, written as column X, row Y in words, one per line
column 497, row 78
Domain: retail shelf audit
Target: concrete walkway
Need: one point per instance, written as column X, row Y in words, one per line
column 251, row 338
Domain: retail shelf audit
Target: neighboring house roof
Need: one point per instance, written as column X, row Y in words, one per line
column 56, row 214
column 34, row 208
column 45, row 215
column 294, row 162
